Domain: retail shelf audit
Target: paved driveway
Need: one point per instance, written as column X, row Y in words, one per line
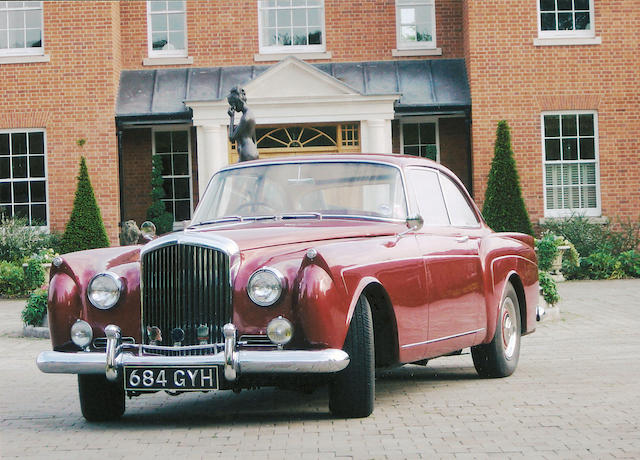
column 576, row 394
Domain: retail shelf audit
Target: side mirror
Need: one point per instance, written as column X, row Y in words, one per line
column 148, row 230
column 415, row 222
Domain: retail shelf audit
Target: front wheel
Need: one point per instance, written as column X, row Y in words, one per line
column 100, row 399
column 499, row 358
column 352, row 392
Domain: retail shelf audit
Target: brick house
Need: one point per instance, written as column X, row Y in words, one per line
column 119, row 82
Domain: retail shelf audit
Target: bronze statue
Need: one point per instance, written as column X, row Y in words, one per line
column 244, row 134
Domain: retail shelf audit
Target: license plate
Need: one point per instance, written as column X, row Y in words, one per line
column 192, row 378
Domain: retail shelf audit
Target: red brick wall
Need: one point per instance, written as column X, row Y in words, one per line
column 72, row 96
column 512, row 79
column 223, row 34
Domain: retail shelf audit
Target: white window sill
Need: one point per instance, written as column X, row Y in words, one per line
column 417, row 52
column 567, row 41
column 187, row 60
column 264, row 57
column 591, row 219
column 24, row 59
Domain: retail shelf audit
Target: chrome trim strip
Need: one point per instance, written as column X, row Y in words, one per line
column 208, row 240
column 249, row 362
column 442, row 338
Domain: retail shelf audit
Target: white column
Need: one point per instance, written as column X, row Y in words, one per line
column 376, row 136
column 213, row 152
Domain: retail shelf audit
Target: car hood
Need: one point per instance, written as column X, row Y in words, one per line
column 261, row 234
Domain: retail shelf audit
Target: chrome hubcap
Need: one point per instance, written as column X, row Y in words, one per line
column 509, row 333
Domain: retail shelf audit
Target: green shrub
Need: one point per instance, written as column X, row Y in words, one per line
column 36, row 308
column 549, row 288
column 85, row 229
column 19, row 241
column 504, row 208
column 589, row 237
column 33, row 274
column 630, row 263
column 11, row 279
column 547, row 250
column 157, row 213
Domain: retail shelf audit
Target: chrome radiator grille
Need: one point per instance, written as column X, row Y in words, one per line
column 187, row 287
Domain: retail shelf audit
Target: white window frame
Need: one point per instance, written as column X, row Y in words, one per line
column 420, row 120
column 290, row 49
column 179, row 53
column 177, row 225
column 555, row 34
column 33, row 51
column 11, row 180
column 592, row 212
column 404, row 45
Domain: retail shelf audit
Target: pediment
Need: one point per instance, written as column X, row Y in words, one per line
column 294, row 78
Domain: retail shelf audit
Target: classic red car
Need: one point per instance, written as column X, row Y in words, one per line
column 296, row 272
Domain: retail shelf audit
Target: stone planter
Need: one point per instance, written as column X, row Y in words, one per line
column 556, row 266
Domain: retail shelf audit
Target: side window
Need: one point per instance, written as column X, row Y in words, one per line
column 20, row 28
column 425, row 187
column 460, row 212
column 291, row 26
column 415, row 24
column 167, row 28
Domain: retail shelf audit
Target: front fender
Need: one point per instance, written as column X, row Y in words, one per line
column 322, row 307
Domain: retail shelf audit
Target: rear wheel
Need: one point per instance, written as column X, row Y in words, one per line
column 500, row 357
column 100, row 399
column 352, row 392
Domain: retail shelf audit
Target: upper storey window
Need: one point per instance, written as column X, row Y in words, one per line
column 291, row 26
column 415, row 24
column 566, row 18
column 167, row 28
column 20, row 28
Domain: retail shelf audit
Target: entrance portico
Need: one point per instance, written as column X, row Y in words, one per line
column 293, row 93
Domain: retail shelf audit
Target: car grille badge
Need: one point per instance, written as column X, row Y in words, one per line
column 177, row 334
column 203, row 334
column 154, row 334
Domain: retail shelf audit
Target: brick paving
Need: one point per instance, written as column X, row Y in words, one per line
column 576, row 394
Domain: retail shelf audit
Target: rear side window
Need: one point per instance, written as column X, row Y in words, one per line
column 460, row 211
column 426, row 190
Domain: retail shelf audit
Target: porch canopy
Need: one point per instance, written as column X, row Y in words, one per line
column 423, row 86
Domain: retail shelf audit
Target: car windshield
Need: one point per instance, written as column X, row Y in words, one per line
column 306, row 189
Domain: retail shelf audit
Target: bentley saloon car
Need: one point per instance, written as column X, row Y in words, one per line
column 296, row 272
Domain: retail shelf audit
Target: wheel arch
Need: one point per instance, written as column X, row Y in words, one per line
column 385, row 328
column 516, row 282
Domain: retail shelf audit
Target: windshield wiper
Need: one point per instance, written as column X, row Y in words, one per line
column 217, row 221
column 302, row 215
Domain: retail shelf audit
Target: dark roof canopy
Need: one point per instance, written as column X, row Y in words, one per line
column 426, row 86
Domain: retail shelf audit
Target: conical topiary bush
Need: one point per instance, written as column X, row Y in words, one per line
column 504, row 208
column 85, row 229
column 157, row 213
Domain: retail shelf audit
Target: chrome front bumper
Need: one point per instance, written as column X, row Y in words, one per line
column 235, row 362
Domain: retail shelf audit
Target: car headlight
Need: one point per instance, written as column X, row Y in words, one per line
column 81, row 333
column 265, row 286
column 104, row 290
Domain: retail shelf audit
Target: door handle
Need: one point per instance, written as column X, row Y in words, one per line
column 462, row 239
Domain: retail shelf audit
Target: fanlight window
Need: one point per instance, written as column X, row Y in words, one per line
column 301, row 139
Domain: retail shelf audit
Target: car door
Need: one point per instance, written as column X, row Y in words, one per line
column 448, row 242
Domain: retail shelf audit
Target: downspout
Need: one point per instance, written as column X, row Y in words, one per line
column 120, row 172
column 469, row 148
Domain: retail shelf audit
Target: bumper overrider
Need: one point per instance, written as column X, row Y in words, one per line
column 235, row 362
